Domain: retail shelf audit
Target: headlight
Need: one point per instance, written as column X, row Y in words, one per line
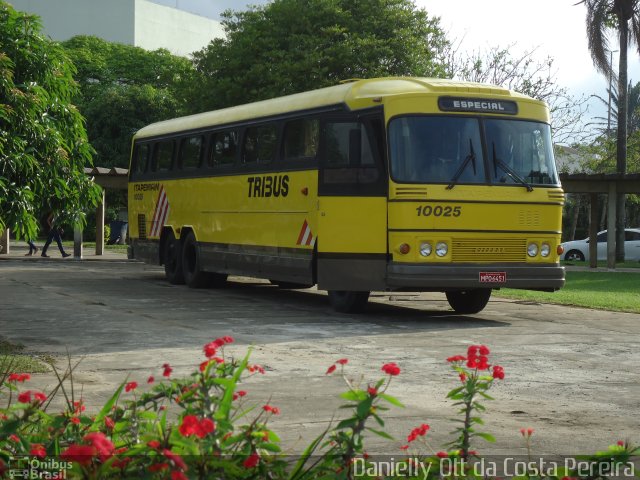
column 532, row 249
column 425, row 249
column 545, row 249
column 441, row 249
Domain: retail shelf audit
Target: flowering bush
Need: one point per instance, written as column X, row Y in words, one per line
column 218, row 434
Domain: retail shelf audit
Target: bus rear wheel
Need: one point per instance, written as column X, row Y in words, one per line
column 469, row 301
column 172, row 259
column 194, row 276
column 344, row 301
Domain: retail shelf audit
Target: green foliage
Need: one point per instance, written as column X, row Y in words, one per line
column 290, row 46
column 218, row 433
column 122, row 89
column 43, row 142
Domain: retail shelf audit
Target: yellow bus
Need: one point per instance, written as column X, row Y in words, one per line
column 411, row 184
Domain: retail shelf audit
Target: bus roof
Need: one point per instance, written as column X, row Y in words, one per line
column 353, row 93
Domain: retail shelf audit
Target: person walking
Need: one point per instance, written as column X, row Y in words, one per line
column 54, row 234
column 32, row 248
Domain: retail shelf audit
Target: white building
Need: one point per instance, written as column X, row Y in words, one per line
column 134, row 22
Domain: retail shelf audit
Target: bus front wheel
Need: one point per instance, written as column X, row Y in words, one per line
column 172, row 259
column 469, row 301
column 194, row 276
column 347, row 301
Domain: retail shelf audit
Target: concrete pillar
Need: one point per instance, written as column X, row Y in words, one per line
column 100, row 225
column 611, row 226
column 593, row 231
column 4, row 242
column 77, row 242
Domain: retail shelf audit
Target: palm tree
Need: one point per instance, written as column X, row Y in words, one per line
column 623, row 18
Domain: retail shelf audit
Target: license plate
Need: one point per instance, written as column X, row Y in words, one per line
column 493, row 277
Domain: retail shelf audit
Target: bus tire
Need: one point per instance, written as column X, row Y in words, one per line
column 172, row 259
column 344, row 301
column 469, row 301
column 194, row 276
column 217, row 280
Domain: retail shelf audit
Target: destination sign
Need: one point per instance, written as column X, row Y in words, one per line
column 455, row 104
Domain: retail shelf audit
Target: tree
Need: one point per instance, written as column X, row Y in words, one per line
column 527, row 75
column 122, row 89
column 621, row 17
column 43, row 142
column 290, row 46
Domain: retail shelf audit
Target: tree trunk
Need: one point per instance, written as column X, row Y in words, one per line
column 621, row 147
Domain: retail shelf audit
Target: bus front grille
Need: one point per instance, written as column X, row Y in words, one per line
column 489, row 250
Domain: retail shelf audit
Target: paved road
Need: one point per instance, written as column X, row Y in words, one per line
column 572, row 374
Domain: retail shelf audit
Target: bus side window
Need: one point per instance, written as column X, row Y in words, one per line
column 163, row 156
column 190, row 152
column 260, row 144
column 301, row 139
column 224, row 146
column 348, row 155
column 140, row 158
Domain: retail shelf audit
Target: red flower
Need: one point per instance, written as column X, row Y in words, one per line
column 210, row 349
column 227, row 339
column 130, row 386
column 456, row 358
column 75, row 420
column 155, row 444
column 273, row 410
column 175, row 458
column 442, row 455
column 463, row 377
column 109, row 423
column 151, row 379
column 372, row 391
column 255, row 368
column 101, row 443
column 37, row 450
column 167, row 370
column 526, row 432
column 342, row 361
column 252, row 461
column 483, row 350
column 158, row 467
column 25, row 397
column 331, row 369
column 484, row 363
column 191, row 425
column 82, row 454
column 178, row 475
column 472, row 351
column 241, row 393
column 391, row 369
column 404, row 447
column 498, row 372
column 19, row 377
column 420, row 431
column 14, row 438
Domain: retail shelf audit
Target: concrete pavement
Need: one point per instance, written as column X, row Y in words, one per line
column 572, row 374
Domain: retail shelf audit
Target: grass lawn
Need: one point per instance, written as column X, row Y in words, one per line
column 13, row 360
column 602, row 264
column 617, row 291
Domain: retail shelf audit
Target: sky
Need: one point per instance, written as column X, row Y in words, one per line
column 554, row 28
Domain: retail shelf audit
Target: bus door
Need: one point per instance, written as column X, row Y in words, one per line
column 352, row 204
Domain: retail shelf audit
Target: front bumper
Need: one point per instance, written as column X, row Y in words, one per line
column 467, row 276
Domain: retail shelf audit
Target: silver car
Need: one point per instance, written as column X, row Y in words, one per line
column 578, row 250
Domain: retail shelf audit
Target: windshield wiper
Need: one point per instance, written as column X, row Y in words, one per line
column 508, row 170
column 471, row 158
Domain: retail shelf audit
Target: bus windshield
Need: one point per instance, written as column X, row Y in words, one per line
column 445, row 149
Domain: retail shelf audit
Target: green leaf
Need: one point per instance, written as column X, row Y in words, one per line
column 381, row 433
column 391, row 400
column 354, row 395
column 487, row 436
column 106, row 410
